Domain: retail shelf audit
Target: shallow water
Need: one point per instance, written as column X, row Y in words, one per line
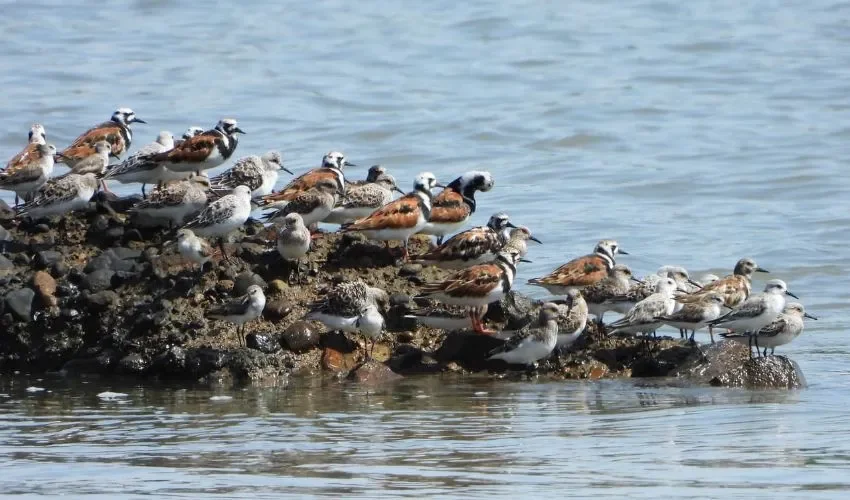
column 693, row 133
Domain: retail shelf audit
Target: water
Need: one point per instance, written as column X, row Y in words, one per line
column 693, row 133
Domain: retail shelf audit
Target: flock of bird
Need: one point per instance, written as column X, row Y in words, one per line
column 483, row 260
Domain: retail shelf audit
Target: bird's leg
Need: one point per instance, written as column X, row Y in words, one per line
column 772, row 351
column 223, row 251
column 681, row 333
column 765, row 352
column 711, row 332
column 404, row 255
column 16, row 199
column 144, row 194
column 756, row 340
column 750, row 345
column 105, row 187
column 478, row 322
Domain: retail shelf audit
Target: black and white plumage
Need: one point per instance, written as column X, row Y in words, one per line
column 532, row 343
column 372, row 175
column 360, row 200
column 260, row 173
column 116, row 132
column 453, row 206
column 60, row 196
column 28, row 175
column 191, row 132
column 783, row 330
column 518, row 240
column 313, row 205
column 136, row 168
column 203, row 151
column 176, row 201
column 293, row 240
column 224, row 215
column 442, row 317
column 333, row 164
column 471, row 247
column 241, row 310
column 351, row 306
column 643, row 317
column 758, row 310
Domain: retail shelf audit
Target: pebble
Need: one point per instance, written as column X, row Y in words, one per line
column 173, row 360
column 277, row 286
column 277, row 309
column 6, row 264
column 45, row 286
column 262, row 342
column 133, row 363
column 399, row 299
column 47, row 258
column 101, row 300
column 98, row 280
column 300, row 336
column 245, row 280
column 410, row 270
column 224, row 286
column 41, row 229
column 19, row 302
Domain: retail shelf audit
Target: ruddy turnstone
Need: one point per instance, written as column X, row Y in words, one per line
column 735, row 287
column 116, row 132
column 37, row 136
column 333, row 164
column 241, row 310
column 135, row 169
column 454, row 204
column 351, row 306
column 257, row 172
column 60, row 196
column 25, row 177
column 361, row 200
column 696, row 315
column 176, row 201
column 582, row 271
column 518, row 238
column 402, row 218
column 477, row 286
column 194, row 249
column 293, row 241
column 223, row 216
column 442, row 317
column 600, row 294
column 532, row 343
column 643, row 318
column 787, row 327
column 313, row 205
column 757, row 311
column 203, row 151
column 573, row 319
column 471, row 247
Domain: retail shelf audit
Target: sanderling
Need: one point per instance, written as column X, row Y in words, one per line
column 60, row 196
column 176, row 201
column 678, row 273
column 600, row 294
column 351, row 306
column 518, row 238
column 190, row 132
column 643, row 318
column 257, row 172
column 696, row 315
column 442, row 317
column 471, row 247
column 454, row 204
column 333, row 164
column 707, row 278
column 736, row 287
column 241, row 310
column 361, row 200
column 573, row 319
column 203, row 151
column 135, row 169
column 757, row 310
column 313, row 205
column 477, row 286
column 194, row 249
column 532, row 343
column 293, row 241
column 96, row 162
column 787, row 327
column 402, row 218
column 27, row 177
column 223, row 216
column 116, row 132
column 582, row 271
column 37, row 136
column 372, row 175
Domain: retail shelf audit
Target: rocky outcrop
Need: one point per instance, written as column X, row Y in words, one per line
column 728, row 364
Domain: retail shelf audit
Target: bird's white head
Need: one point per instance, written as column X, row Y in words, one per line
column 335, row 159
column 37, row 134
column 777, row 287
column 126, row 116
column 165, row 139
column 425, row 182
column 192, row 132
column 229, row 126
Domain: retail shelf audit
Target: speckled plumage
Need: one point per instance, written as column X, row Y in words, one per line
column 260, row 173
column 224, row 215
column 60, row 196
column 471, row 247
column 533, row 342
column 177, row 200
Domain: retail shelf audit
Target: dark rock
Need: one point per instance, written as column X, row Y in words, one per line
column 373, row 373
column 99, row 225
column 134, row 363
column 262, row 342
column 82, row 366
column 399, row 299
column 115, row 259
column 47, row 258
column 729, row 364
column 6, row 264
column 96, row 281
column 409, row 359
column 21, row 259
column 124, row 253
column 19, row 302
column 108, row 359
column 277, row 309
column 122, row 204
column 245, row 280
column 171, row 362
column 300, row 336
column 469, row 350
column 114, row 233
column 410, row 270
column 41, row 229
column 133, row 235
column 100, row 301
column 396, row 321
column 247, row 363
column 515, row 309
column 59, row 269
column 204, row 360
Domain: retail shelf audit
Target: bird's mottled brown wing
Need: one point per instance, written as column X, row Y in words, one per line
column 83, row 146
column 583, row 271
column 401, row 213
column 467, row 245
column 475, row 281
column 448, row 206
column 301, row 183
column 24, row 157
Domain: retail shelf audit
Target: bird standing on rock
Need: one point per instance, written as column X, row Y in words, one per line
column 582, row 271
column 351, row 306
column 532, row 343
column 136, row 170
column 332, row 168
column 293, row 242
column 223, row 216
column 241, row 310
column 474, row 246
column 194, row 249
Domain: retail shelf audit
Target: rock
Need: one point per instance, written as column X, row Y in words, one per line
column 45, row 286
column 277, row 286
column 134, row 364
column 245, row 280
column 467, row 349
column 19, row 302
column 41, row 229
column 338, row 361
column 46, row 259
column 100, row 301
column 6, row 264
column 300, row 336
column 99, row 225
column 114, row 233
column 247, row 363
column 399, row 299
column 515, row 309
column 410, row 270
column 123, row 253
column 373, row 373
column 96, row 281
column 262, row 342
column 171, row 362
column 59, row 269
column 116, row 259
column 409, row 359
column 277, row 309
column 729, row 364
column 133, row 235
column 204, row 360
column 224, row 286
column 81, row 366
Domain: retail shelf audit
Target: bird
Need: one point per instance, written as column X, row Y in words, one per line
column 518, row 238
column 194, row 249
column 293, row 241
column 314, row 205
column 351, row 306
column 582, row 271
column 471, row 247
column 241, row 310
column 399, row 219
column 573, row 319
column 203, row 151
column 735, row 287
column 95, row 163
column 190, row 132
column 643, row 317
column 36, row 136
column 176, row 201
column 757, row 311
column 372, row 175
column 533, row 342
column 696, row 315
column 678, row 273
column 360, row 200
column 477, row 286
column 707, row 278
column 646, row 287
column 223, row 216
column 60, row 196
column 27, row 176
column 784, row 329
column 442, row 317
column 600, row 295
column 333, row 164
column 259, row 173
column 453, row 206
column 116, row 132
column 134, row 169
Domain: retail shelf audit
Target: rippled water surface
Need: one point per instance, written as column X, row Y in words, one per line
column 694, row 133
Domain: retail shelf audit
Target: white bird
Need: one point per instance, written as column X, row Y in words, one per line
column 176, row 201
column 293, row 241
column 696, row 315
column 241, row 310
column 351, row 306
column 758, row 310
column 532, row 343
column 260, row 173
column 643, row 318
column 223, row 216
column 60, row 196
column 787, row 327
column 31, row 173
column 136, row 170
column 194, row 249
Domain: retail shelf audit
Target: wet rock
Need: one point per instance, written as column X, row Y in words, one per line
column 116, row 259
column 399, row 299
column 133, row 235
column 373, row 373
column 81, row 366
column 19, row 302
column 134, row 364
column 46, row 259
column 114, row 233
column 6, row 264
column 514, row 309
column 171, row 362
column 277, row 286
column 99, row 225
column 339, row 361
column 245, row 280
column 247, row 363
column 300, row 336
column 204, row 360
column 262, row 342
column 224, row 286
column 728, row 364
column 410, row 270
column 45, row 287
column 98, row 280
column 469, row 350
column 108, row 359
column 100, row 301
column 41, row 229
column 409, row 359
column 277, row 309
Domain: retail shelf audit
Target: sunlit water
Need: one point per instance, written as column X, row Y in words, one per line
column 694, row 133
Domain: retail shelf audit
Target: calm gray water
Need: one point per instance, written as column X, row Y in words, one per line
column 694, row 133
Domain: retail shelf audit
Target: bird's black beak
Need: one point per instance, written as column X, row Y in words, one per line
column 524, row 260
column 238, row 130
column 510, row 225
column 791, row 295
column 761, row 270
column 810, row 316
column 622, row 252
column 636, row 280
column 532, row 238
column 398, row 190
column 137, row 120
column 441, row 186
column 58, row 157
column 694, row 283
column 349, row 164
column 112, row 155
column 290, row 172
